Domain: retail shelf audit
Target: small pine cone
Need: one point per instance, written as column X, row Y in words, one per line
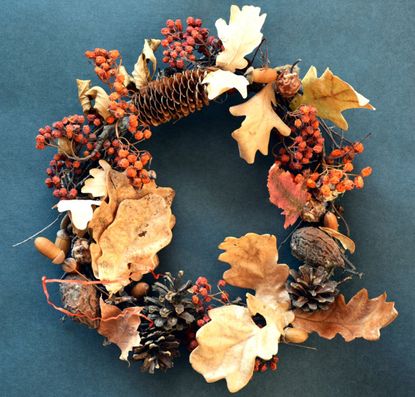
column 314, row 247
column 171, row 98
column 80, row 251
column 80, row 299
column 288, row 83
column 157, row 350
column 311, row 289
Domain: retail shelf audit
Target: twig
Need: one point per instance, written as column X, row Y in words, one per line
column 302, row 346
column 290, row 234
column 37, row 233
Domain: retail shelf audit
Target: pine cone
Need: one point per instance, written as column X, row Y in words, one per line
column 311, row 289
column 157, row 350
column 171, row 97
column 172, row 309
column 80, row 251
column 80, row 299
column 288, row 83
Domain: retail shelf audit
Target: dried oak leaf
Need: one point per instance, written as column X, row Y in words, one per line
column 260, row 119
column 360, row 318
column 330, row 95
column 120, row 326
column 345, row 241
column 253, row 259
column 240, row 37
column 229, row 344
column 284, row 193
column 97, row 185
column 141, row 75
column 81, row 211
column 85, row 94
column 129, row 245
column 221, row 81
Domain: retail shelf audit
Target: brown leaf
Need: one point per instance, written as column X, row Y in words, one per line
column 229, row 344
column 260, row 119
column 330, row 95
column 102, row 100
column 140, row 229
column 360, row 318
column 120, row 326
column 83, row 87
column 253, row 260
column 345, row 241
column 284, row 193
column 141, row 75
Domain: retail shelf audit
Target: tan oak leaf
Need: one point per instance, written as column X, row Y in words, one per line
column 86, row 94
column 330, row 95
column 240, row 37
column 120, row 326
column 260, row 119
column 254, row 264
column 221, row 81
column 229, row 344
column 97, row 185
column 141, row 74
column 360, row 318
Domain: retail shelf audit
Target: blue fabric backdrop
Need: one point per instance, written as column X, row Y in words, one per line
column 368, row 43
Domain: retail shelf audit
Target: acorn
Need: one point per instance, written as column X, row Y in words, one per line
column 264, row 75
column 50, row 250
column 139, row 290
column 330, row 221
column 295, row 335
column 63, row 241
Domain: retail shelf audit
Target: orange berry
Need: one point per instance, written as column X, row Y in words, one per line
column 132, row 158
column 348, row 167
column 147, row 134
column 358, row 182
column 123, row 153
column 137, row 182
column 336, row 153
column 110, row 120
column 298, row 178
column 314, row 176
column 138, row 165
column 358, row 147
column 123, row 163
column 298, row 123
column 138, row 135
column 114, row 54
column 114, row 96
column 340, row 187
column 131, row 172
column 310, row 183
column 348, row 184
column 366, row 171
column 325, row 190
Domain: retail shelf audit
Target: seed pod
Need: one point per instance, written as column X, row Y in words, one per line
column 70, row 265
column 80, row 251
column 330, row 221
column 316, row 248
column 313, row 210
column 139, row 290
column 63, row 241
column 295, row 335
column 50, row 250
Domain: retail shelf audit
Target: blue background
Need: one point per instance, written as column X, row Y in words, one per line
column 367, row 43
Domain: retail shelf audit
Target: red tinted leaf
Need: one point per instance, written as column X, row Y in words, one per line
column 286, row 194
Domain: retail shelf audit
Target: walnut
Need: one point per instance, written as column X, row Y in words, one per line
column 316, row 248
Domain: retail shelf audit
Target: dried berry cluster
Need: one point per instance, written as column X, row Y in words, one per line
column 181, row 45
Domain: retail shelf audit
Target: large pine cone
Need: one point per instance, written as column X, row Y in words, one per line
column 157, row 350
column 311, row 289
column 171, row 98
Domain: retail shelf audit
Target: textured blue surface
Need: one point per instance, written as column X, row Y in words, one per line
column 368, row 43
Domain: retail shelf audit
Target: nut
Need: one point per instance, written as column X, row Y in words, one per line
column 50, row 250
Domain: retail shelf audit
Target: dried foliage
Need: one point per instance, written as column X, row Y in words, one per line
column 221, row 81
column 361, row 317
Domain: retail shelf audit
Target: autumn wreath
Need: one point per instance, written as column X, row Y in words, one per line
column 116, row 219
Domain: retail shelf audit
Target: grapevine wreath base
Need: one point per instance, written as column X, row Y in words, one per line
column 116, row 219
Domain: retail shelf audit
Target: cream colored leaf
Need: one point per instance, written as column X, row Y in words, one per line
column 97, row 185
column 141, row 74
column 102, row 100
column 83, row 87
column 330, row 95
column 229, row 344
column 240, row 37
column 261, row 118
column 127, row 78
column 221, row 81
column 120, row 326
column 81, row 211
